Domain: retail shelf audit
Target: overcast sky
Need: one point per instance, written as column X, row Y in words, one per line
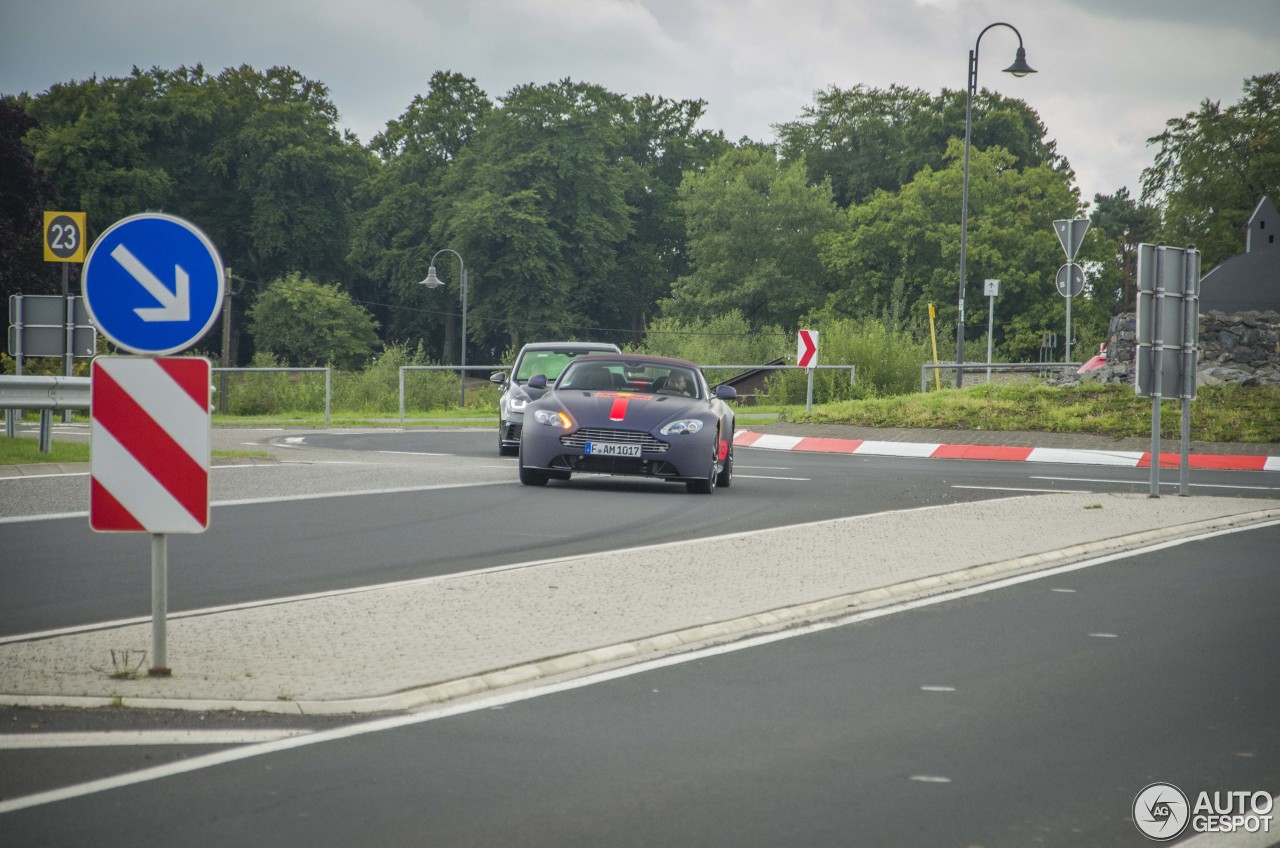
column 1111, row 72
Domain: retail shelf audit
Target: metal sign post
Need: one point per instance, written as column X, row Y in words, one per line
column 992, row 290
column 1070, row 280
column 807, row 357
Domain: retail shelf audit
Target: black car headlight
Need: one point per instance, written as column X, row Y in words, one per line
column 683, row 427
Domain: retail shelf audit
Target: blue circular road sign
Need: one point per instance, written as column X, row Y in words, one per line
column 153, row 283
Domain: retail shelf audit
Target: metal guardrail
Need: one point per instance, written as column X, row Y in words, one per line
column 1027, row 367
column 45, row 393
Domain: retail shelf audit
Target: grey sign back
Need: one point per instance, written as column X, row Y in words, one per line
column 1168, row 321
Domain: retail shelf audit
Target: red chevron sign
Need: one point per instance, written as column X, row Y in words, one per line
column 807, row 348
column 149, row 444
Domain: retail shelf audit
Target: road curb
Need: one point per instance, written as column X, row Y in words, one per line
column 683, row 639
column 1001, row 453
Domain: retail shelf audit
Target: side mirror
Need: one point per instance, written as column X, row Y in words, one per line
column 499, row 377
column 538, row 381
column 726, row 392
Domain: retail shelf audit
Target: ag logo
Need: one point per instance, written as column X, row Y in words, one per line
column 1161, row 812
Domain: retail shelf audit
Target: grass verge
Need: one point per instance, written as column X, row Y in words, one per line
column 1224, row 414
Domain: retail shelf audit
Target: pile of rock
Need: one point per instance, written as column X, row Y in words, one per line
column 1240, row 349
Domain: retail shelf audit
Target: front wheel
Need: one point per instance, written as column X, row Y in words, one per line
column 707, row 486
column 533, row 476
column 726, row 472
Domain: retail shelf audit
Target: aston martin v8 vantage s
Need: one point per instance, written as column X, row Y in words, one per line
column 644, row 416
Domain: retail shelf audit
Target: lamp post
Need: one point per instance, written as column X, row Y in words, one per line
column 432, row 281
column 1019, row 68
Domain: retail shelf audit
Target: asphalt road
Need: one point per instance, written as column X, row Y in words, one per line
column 1025, row 715
column 368, row 508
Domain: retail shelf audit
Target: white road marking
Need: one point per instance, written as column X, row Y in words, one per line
column 770, row 477
column 307, row 497
column 929, row 778
column 130, row 738
column 500, row 699
column 415, row 453
column 1070, row 591
column 937, row 688
column 44, row 476
column 1018, row 489
column 1104, row 635
column 1168, row 483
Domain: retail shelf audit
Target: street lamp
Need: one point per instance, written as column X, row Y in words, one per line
column 1019, row 68
column 431, row 282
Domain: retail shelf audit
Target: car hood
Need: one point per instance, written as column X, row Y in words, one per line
column 627, row 410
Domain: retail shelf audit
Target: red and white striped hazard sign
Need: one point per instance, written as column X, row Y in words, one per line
column 149, row 451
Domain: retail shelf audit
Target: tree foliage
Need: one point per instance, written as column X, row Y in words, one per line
column 304, row 323
column 866, row 139
column 753, row 225
column 24, row 192
column 1212, row 167
column 584, row 213
column 901, row 251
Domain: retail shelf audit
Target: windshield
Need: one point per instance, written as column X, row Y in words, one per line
column 622, row 376
column 549, row 362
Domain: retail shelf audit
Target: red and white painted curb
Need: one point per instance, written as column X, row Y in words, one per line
column 1002, row 453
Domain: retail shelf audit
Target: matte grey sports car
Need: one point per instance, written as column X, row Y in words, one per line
column 645, row 416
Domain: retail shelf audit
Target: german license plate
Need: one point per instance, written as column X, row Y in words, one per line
column 612, row 449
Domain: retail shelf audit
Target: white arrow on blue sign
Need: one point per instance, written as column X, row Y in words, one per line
column 153, row 283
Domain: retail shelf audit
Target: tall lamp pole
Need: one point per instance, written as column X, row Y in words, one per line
column 432, row 281
column 1019, row 68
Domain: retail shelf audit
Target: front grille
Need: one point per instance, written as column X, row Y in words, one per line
column 647, row 443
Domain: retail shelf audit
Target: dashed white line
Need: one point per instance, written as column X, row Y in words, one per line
column 937, row 688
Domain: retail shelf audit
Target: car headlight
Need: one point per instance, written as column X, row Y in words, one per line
column 553, row 419
column 683, row 427
column 517, row 403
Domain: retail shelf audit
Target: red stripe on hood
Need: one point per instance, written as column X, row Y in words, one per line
column 618, row 411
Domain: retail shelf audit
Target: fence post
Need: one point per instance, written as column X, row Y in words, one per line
column 328, row 385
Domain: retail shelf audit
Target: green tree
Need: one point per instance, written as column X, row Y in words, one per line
column 253, row 158
column 1126, row 223
column 866, row 139
column 901, row 251
column 24, row 193
column 752, row 226
column 397, row 231
column 305, row 324
column 1212, row 167
column 538, row 206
